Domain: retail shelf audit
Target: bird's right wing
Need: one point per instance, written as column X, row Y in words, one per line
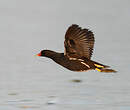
column 78, row 42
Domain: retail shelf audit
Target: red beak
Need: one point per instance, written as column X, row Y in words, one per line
column 38, row 54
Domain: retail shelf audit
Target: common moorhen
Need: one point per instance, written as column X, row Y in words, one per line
column 78, row 45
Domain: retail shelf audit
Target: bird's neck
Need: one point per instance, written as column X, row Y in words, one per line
column 52, row 54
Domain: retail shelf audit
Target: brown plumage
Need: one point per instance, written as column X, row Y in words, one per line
column 78, row 45
column 79, row 42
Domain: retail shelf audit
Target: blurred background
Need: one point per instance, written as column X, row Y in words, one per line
column 29, row 82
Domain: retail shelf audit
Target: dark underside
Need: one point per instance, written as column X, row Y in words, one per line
column 73, row 65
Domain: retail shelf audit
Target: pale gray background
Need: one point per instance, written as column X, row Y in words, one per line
column 28, row 82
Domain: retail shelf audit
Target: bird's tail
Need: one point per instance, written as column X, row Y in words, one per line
column 103, row 68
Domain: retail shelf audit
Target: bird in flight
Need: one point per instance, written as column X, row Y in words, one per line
column 79, row 44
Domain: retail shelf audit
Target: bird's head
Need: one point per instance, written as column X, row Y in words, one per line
column 46, row 53
column 42, row 53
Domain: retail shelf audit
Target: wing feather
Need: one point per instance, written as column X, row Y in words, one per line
column 78, row 42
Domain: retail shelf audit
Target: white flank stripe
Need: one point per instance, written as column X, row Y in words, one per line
column 85, row 64
column 72, row 58
column 75, row 59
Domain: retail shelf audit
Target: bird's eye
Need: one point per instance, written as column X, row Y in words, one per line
column 42, row 52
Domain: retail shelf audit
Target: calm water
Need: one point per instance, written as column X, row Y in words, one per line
column 32, row 83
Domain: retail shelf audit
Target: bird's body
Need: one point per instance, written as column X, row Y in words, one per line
column 79, row 45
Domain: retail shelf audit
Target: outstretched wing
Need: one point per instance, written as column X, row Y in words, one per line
column 78, row 42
